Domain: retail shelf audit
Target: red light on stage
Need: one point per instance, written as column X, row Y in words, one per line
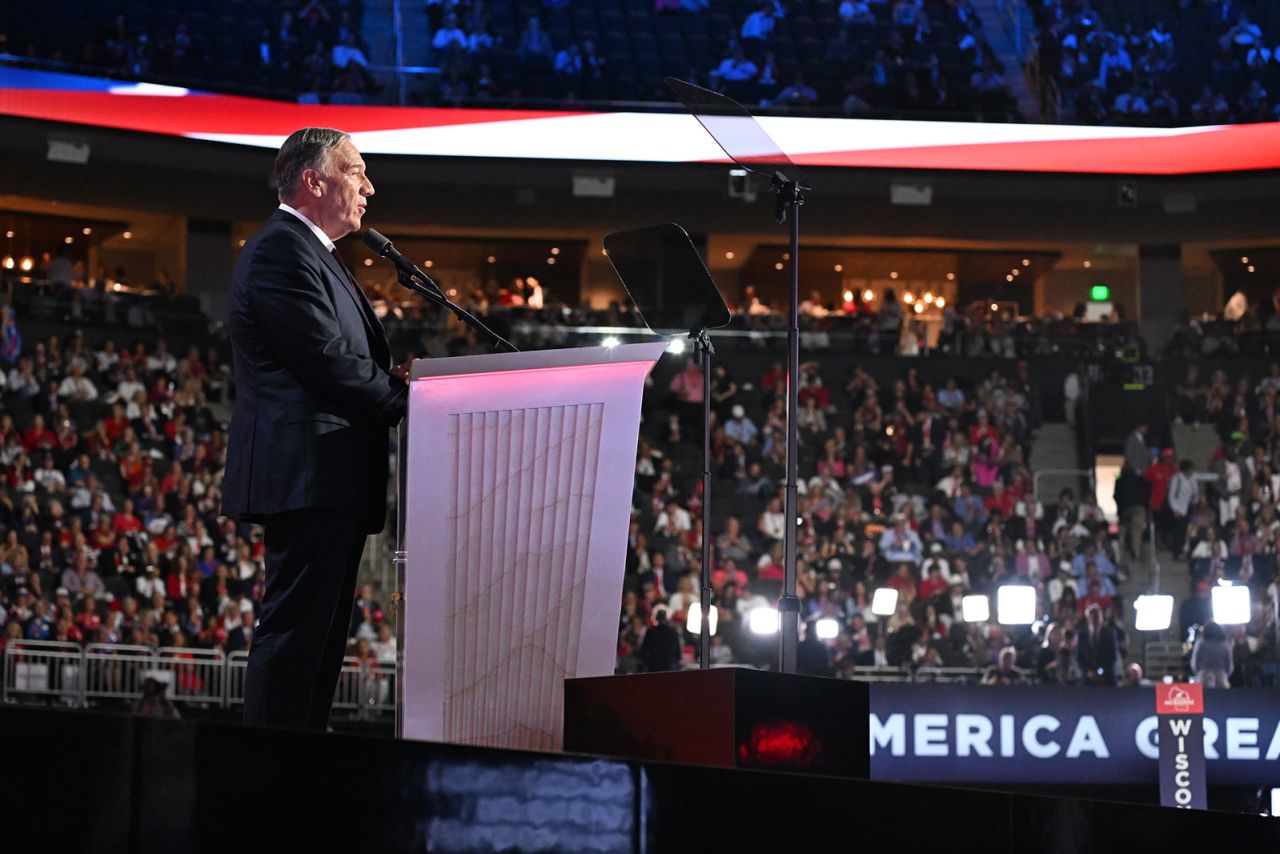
column 782, row 743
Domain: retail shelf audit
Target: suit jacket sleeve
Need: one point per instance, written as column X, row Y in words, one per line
column 295, row 309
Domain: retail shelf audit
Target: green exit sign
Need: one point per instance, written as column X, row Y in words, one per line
column 1100, row 293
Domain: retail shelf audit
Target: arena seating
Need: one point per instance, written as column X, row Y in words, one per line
column 112, row 451
column 1161, row 62
column 926, row 60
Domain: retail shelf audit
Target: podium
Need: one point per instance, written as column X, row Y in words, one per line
column 515, row 477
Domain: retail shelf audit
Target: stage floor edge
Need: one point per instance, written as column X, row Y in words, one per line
column 103, row 782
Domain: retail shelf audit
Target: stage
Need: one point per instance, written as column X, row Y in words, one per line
column 90, row 781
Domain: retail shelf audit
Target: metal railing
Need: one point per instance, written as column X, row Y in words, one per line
column 1165, row 658
column 44, row 672
column 921, row 673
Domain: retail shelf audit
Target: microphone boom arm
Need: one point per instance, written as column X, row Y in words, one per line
column 419, row 282
column 437, row 296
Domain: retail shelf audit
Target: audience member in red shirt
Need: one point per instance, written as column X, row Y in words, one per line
column 39, row 436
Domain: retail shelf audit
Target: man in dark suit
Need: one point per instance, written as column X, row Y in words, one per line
column 307, row 454
column 1100, row 648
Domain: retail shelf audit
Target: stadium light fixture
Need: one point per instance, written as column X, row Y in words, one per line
column 827, row 628
column 975, row 608
column 764, row 621
column 1016, row 605
column 1154, row 612
column 1231, row 604
column 693, row 622
column 884, row 601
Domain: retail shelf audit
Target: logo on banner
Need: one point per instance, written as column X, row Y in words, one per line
column 1180, row 699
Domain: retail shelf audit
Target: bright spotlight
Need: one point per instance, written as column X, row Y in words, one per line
column 928, row 297
column 868, row 295
column 884, row 601
column 694, row 620
column 764, row 621
column 1016, row 605
column 918, row 308
column 848, row 295
column 941, row 303
column 675, row 346
column 610, row 341
column 975, row 608
column 1154, row 612
column 1231, row 605
column 827, row 628
column 908, row 297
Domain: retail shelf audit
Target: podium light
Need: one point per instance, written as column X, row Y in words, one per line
column 827, row 628
column 1016, row 605
column 1154, row 612
column 975, row 608
column 884, row 601
column 1231, row 604
column 693, row 622
column 764, row 621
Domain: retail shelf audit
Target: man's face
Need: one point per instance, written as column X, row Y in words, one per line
column 342, row 190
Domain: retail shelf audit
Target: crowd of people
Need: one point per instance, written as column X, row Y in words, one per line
column 113, row 455
column 1172, row 62
column 875, row 57
column 1166, row 63
column 110, row 514
column 923, row 490
column 857, row 57
column 1225, row 521
column 926, row 490
column 305, row 49
column 852, row 58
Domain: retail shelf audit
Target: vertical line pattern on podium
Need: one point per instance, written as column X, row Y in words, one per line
column 515, row 478
column 490, row 571
column 523, row 486
column 453, row 597
column 563, row 578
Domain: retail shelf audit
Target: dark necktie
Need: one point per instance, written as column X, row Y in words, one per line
column 348, row 278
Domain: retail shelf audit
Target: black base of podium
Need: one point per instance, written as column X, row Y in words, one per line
column 728, row 717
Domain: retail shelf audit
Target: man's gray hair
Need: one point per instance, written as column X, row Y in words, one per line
column 305, row 149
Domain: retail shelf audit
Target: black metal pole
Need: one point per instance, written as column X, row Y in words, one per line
column 789, row 603
column 703, row 343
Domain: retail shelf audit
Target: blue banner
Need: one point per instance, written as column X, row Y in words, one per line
column 992, row 734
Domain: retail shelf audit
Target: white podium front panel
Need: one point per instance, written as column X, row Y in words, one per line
column 517, row 508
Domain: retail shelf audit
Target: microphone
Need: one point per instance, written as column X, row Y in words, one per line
column 419, row 282
column 379, row 245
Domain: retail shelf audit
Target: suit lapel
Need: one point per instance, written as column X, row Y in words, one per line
column 347, row 285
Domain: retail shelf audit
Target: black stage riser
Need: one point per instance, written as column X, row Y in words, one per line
column 90, row 782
